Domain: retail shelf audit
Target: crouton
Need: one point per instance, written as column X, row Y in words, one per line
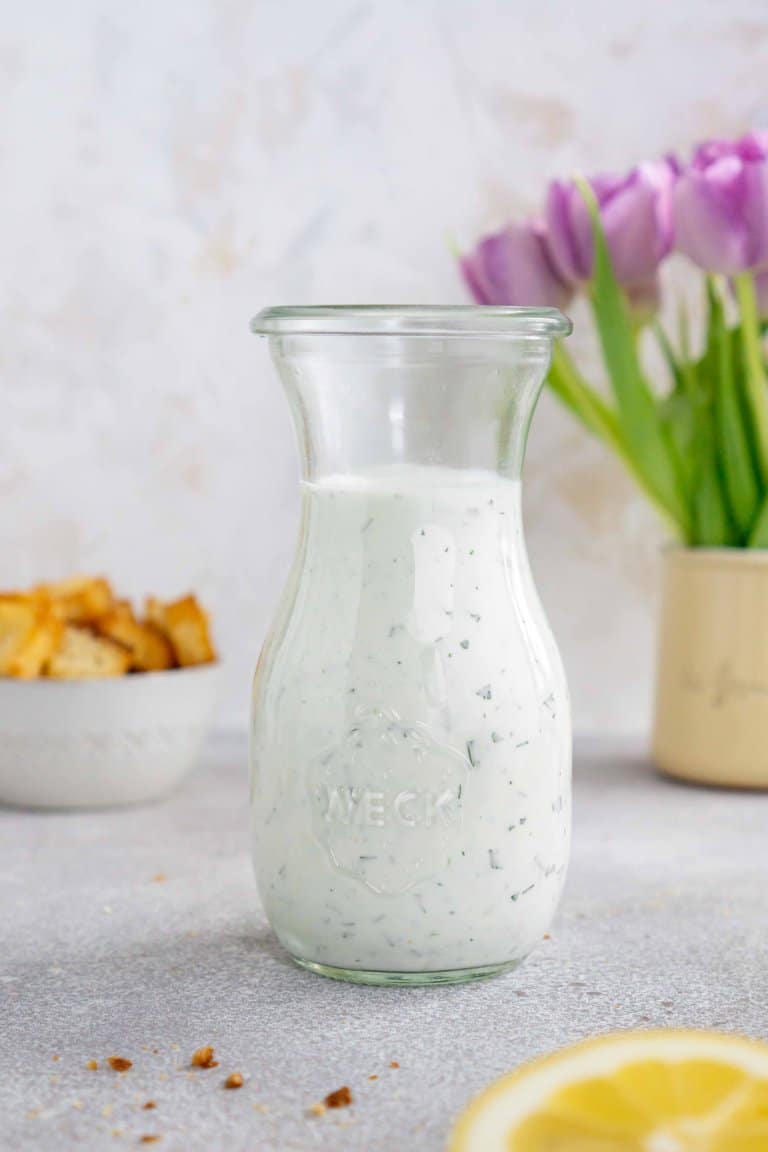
column 83, row 656
column 38, row 648
column 80, row 600
column 149, row 649
column 185, row 625
column 18, row 618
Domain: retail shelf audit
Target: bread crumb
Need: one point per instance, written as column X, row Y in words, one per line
column 546, row 936
column 316, row 1109
column 203, row 1058
column 92, row 1065
column 341, row 1098
column 394, row 1064
column 149, row 1105
column 234, row 1080
column 54, row 1058
column 159, row 878
column 149, row 1139
column 119, row 1063
column 374, row 1077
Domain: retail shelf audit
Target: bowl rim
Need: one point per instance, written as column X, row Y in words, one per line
column 162, row 676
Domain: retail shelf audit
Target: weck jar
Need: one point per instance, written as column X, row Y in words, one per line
column 411, row 744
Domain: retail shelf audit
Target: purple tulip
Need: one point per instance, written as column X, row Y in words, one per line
column 636, row 214
column 721, row 205
column 514, row 267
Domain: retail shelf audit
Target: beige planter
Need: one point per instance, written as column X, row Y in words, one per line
column 712, row 681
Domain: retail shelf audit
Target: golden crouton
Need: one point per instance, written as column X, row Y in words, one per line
column 38, row 647
column 80, row 600
column 149, row 649
column 184, row 623
column 19, row 616
column 83, row 656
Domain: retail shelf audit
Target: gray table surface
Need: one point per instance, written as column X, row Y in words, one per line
column 663, row 922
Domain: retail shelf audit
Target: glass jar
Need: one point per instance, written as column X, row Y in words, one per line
column 411, row 745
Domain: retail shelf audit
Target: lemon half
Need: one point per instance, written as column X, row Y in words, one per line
column 662, row 1091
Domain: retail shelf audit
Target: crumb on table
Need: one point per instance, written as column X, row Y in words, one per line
column 119, row 1063
column 341, row 1098
column 203, row 1058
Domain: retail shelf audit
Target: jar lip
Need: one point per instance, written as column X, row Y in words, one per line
column 452, row 320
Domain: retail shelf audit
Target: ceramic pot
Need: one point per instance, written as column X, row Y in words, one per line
column 711, row 722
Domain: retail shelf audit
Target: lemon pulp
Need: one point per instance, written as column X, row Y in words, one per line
column 631, row 1092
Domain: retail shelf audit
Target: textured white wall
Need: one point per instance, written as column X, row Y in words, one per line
column 168, row 168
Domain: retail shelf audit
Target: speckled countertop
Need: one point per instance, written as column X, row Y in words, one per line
column 664, row 922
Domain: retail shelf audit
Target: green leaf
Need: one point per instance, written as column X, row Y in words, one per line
column 734, row 452
column 643, row 433
column 668, row 353
column 677, row 418
column 711, row 523
column 758, row 537
column 600, row 419
column 583, row 401
column 754, row 376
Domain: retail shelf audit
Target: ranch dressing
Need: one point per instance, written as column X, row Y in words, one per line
column 411, row 742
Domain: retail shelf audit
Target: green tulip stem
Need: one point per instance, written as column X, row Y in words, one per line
column 755, row 370
column 601, row 420
column 758, row 537
column 584, row 401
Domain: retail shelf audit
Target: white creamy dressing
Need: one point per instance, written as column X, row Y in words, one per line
column 411, row 790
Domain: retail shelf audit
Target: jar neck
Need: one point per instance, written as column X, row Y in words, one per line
column 384, row 401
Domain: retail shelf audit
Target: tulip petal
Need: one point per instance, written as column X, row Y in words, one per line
column 569, row 235
column 638, row 223
column 755, row 211
column 636, row 213
column 709, row 221
column 513, row 267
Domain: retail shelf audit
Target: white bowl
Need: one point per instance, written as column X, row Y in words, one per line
column 93, row 743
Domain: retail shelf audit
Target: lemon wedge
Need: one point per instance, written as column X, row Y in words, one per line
column 662, row 1091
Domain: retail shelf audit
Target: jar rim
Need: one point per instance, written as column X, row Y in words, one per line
column 451, row 320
